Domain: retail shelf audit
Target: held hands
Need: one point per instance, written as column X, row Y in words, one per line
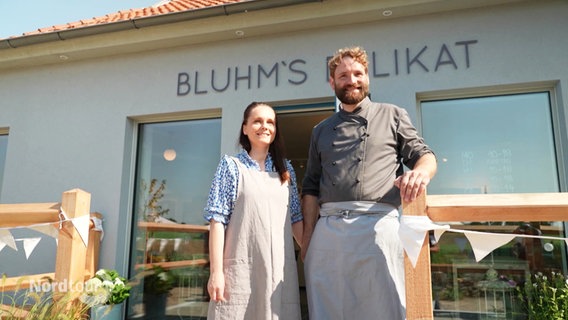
column 412, row 184
column 216, row 286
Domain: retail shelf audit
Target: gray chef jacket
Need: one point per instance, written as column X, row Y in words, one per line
column 356, row 156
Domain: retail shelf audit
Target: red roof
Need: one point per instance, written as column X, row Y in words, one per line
column 163, row 7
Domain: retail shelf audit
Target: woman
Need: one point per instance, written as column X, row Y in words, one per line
column 253, row 210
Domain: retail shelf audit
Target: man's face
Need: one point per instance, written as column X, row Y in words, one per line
column 350, row 82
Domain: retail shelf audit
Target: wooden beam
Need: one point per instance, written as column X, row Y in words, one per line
column 499, row 207
column 418, row 279
column 24, row 282
column 177, row 227
column 168, row 265
column 25, row 214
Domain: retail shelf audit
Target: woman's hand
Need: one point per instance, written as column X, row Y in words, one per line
column 216, row 286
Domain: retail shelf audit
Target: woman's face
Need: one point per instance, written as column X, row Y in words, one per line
column 260, row 127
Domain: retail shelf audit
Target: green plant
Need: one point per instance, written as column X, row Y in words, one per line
column 27, row 304
column 157, row 281
column 151, row 195
column 105, row 288
column 545, row 297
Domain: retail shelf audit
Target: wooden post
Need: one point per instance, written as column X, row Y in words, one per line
column 418, row 279
column 93, row 247
column 71, row 251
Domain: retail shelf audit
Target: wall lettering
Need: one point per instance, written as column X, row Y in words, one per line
column 402, row 61
column 241, row 78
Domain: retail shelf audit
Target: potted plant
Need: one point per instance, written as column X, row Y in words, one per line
column 545, row 297
column 106, row 289
column 157, row 283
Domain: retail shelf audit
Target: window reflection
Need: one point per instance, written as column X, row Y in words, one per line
column 498, row 144
column 175, row 164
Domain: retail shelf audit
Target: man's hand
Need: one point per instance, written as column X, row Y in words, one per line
column 413, row 183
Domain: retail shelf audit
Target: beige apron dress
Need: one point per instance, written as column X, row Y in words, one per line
column 261, row 280
column 354, row 266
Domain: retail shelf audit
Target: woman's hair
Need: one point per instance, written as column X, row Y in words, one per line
column 276, row 148
column 356, row 53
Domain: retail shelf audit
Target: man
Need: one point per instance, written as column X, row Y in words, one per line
column 353, row 185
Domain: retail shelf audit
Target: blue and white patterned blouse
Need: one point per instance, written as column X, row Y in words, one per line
column 223, row 192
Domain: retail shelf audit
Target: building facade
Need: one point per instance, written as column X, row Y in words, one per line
column 110, row 108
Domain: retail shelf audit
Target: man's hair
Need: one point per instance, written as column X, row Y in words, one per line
column 356, row 53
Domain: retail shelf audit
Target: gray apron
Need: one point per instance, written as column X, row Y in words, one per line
column 354, row 266
column 261, row 280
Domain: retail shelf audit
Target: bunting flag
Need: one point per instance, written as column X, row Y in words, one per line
column 413, row 229
column 98, row 226
column 412, row 232
column 6, row 239
column 30, row 245
column 81, row 224
column 47, row 229
column 177, row 244
column 484, row 243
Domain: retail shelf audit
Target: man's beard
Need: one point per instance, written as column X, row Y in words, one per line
column 352, row 97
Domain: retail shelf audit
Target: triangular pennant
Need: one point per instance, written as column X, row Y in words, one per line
column 484, row 243
column 98, row 226
column 177, row 243
column 30, row 245
column 412, row 243
column 163, row 244
column 438, row 234
column 47, row 229
column 82, row 226
column 7, row 238
column 412, row 232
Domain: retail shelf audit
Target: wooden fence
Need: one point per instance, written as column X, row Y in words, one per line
column 74, row 262
column 471, row 208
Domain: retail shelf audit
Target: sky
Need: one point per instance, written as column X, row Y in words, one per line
column 19, row 16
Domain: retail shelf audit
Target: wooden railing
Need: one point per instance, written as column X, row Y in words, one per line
column 149, row 227
column 471, row 208
column 74, row 262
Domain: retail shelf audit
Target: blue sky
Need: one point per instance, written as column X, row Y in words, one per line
column 19, row 16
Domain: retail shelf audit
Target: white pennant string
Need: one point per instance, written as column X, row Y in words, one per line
column 81, row 224
column 412, row 232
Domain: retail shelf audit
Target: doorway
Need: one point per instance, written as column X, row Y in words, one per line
column 296, row 124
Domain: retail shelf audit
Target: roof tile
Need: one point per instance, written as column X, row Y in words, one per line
column 163, row 7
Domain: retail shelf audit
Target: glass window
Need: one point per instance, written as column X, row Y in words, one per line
column 3, row 149
column 501, row 144
column 176, row 162
column 494, row 144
